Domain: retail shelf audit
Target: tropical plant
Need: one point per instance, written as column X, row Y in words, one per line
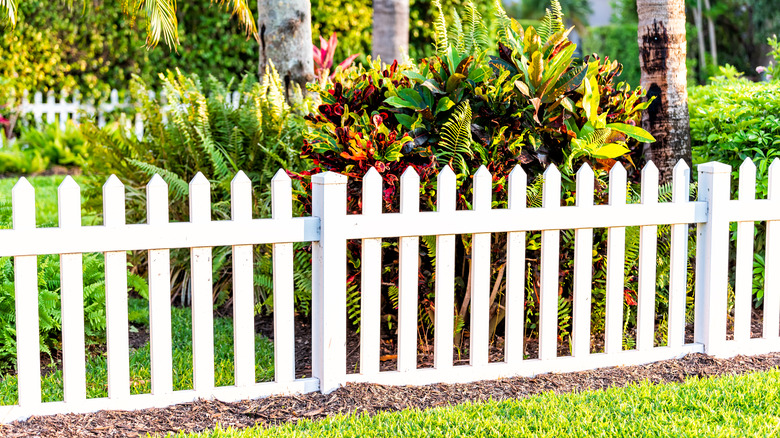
column 531, row 104
column 323, row 58
column 259, row 134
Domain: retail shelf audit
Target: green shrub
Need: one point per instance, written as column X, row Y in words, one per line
column 203, row 133
column 733, row 119
column 36, row 151
column 616, row 42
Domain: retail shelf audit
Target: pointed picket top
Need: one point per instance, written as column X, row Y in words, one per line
column 157, row 201
column 200, row 199
column 372, row 192
column 241, row 197
column 518, row 182
column 113, row 202
column 747, row 180
column 328, row 178
column 714, row 167
column 446, row 183
column 681, row 177
column 410, row 190
column 774, row 179
column 281, row 195
column 551, row 191
column 23, row 204
column 69, row 201
column 482, row 195
column 617, row 184
column 649, row 183
column 585, row 185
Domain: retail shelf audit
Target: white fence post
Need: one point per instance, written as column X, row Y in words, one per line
column 329, row 287
column 712, row 256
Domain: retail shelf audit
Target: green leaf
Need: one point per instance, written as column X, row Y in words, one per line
column 444, row 104
column 405, row 120
column 632, row 131
column 414, row 76
column 399, row 102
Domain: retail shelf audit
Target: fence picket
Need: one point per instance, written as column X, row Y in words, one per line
column 202, row 290
column 772, row 259
column 243, row 285
column 72, row 296
column 583, row 266
column 116, row 294
column 28, row 358
column 408, row 265
column 50, row 109
column 480, row 272
column 616, row 257
column 743, row 282
column 549, row 270
column 370, row 278
column 445, row 273
column 648, row 248
column 38, row 109
column 678, row 259
column 159, row 292
column 284, row 288
column 514, row 309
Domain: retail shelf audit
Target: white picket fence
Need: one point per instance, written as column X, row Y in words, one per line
column 330, row 227
column 70, row 107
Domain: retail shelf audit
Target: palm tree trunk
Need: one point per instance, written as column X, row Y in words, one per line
column 662, row 61
column 285, row 40
column 711, row 33
column 391, row 29
column 697, row 19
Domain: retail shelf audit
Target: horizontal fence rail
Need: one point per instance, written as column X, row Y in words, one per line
column 330, row 227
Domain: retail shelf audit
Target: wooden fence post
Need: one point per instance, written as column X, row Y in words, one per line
column 329, row 284
column 712, row 257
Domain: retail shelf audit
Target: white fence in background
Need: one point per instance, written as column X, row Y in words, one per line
column 72, row 108
column 330, row 227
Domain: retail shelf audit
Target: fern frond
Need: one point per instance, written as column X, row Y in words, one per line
column 457, row 31
column 455, row 140
column 176, row 185
column 441, row 41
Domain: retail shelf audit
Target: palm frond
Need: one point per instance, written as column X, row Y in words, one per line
column 161, row 23
column 10, row 10
column 245, row 17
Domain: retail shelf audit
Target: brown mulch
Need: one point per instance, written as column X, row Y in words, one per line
column 370, row 398
column 53, row 170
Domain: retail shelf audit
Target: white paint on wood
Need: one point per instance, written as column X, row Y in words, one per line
column 712, row 258
column 678, row 260
column 549, row 269
column 583, row 267
column 284, row 287
column 201, row 268
column 772, row 259
column 648, row 244
column 159, row 293
column 514, row 319
column 480, row 273
column 26, row 302
column 616, row 257
column 329, row 281
column 72, row 296
column 370, row 278
column 444, row 317
column 743, row 282
column 243, row 285
column 116, row 295
column 408, row 266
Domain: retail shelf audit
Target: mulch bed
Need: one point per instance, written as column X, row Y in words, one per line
column 370, row 398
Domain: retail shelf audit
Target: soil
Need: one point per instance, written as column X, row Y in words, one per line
column 53, row 170
column 372, row 398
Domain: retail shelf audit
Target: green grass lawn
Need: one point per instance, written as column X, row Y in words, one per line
column 729, row 406
column 45, row 201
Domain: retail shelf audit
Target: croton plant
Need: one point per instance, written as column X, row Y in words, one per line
column 526, row 99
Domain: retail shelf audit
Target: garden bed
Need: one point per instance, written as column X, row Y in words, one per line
column 370, row 398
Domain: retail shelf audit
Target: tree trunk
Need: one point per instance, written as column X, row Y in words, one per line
column 711, row 33
column 285, row 40
column 697, row 20
column 391, row 29
column 662, row 61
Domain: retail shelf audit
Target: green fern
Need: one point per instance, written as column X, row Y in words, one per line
column 456, row 139
column 552, row 22
column 441, row 41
